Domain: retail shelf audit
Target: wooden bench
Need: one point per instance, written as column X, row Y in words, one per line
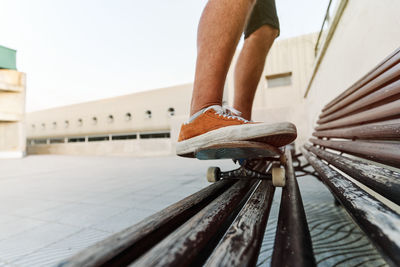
column 358, row 136
column 223, row 224
column 356, row 152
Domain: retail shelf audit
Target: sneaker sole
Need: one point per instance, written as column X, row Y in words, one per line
column 238, row 150
column 277, row 135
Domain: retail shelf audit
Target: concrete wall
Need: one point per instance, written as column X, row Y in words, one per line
column 367, row 32
column 12, row 110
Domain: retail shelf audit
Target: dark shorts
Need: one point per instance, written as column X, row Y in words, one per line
column 264, row 13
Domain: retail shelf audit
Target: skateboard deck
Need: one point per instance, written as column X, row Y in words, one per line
column 237, row 150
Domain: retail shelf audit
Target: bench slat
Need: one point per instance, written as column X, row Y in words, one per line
column 387, row 63
column 387, row 111
column 389, row 75
column 374, row 84
column 384, row 181
column 387, row 153
column 241, row 245
column 293, row 246
column 379, row 95
column 386, row 130
column 125, row 246
column 191, row 242
column 379, row 222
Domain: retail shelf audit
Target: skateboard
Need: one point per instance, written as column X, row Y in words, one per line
column 253, row 158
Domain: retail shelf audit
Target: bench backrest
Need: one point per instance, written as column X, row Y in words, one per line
column 356, row 151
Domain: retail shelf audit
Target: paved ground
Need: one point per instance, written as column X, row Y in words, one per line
column 337, row 241
column 53, row 206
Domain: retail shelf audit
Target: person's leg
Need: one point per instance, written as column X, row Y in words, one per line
column 260, row 33
column 250, row 66
column 220, row 28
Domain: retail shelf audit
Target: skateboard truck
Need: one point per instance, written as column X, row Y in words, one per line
column 276, row 173
column 254, row 158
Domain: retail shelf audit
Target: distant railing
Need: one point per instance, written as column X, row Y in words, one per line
column 326, row 20
column 325, row 35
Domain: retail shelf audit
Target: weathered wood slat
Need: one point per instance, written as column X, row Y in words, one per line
column 379, row 222
column 386, row 130
column 241, row 244
column 293, row 246
column 388, row 111
column 384, row 181
column 383, row 93
column 391, row 74
column 124, row 247
column 185, row 245
column 387, row 63
column 387, row 153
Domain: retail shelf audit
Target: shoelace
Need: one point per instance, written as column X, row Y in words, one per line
column 227, row 112
column 234, row 112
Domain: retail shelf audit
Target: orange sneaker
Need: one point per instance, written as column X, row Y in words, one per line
column 217, row 124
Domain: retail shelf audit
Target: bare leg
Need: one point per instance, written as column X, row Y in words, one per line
column 220, row 28
column 250, row 66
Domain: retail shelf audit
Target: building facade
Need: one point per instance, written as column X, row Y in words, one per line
column 12, row 106
column 138, row 124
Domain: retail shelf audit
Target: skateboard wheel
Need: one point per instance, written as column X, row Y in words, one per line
column 213, row 174
column 278, row 177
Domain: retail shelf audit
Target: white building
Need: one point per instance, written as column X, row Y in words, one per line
column 137, row 124
column 12, row 114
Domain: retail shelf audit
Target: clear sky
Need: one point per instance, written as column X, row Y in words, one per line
column 79, row 50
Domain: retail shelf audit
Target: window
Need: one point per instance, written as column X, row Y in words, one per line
column 171, row 112
column 94, row 120
column 43, row 126
column 110, row 119
column 80, row 122
column 124, row 137
column 66, row 124
column 33, row 126
column 98, row 138
column 39, row 141
column 279, row 80
column 148, row 114
column 128, row 116
column 54, row 125
column 154, row 135
column 76, row 139
column 56, row 140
